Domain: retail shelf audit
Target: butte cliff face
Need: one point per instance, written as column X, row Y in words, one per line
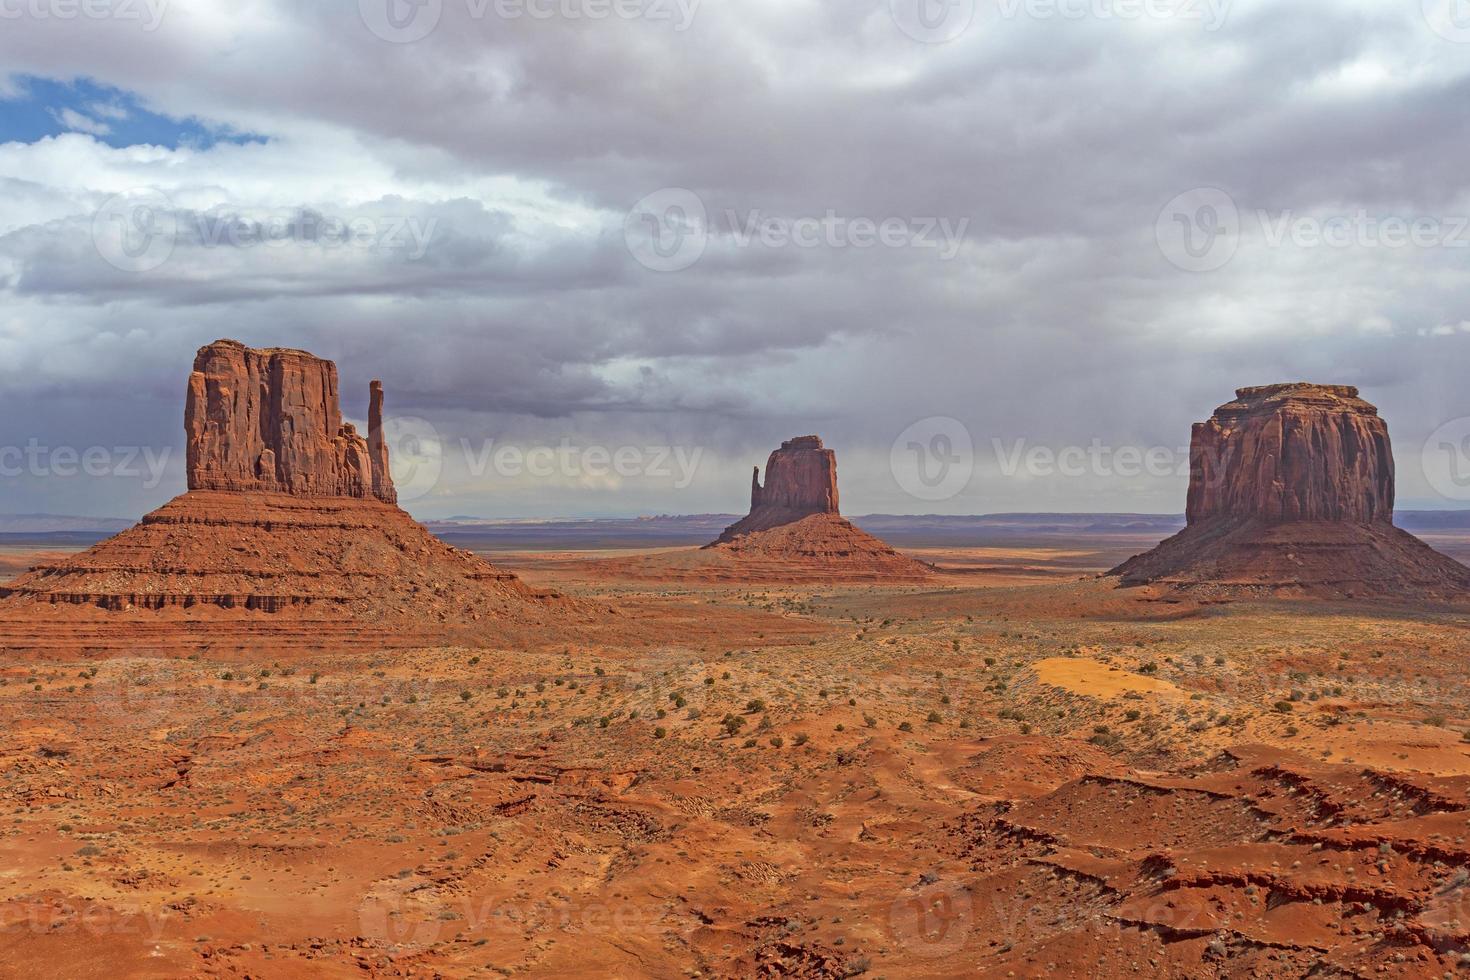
column 289, row 511
column 1291, row 492
column 801, row 478
column 269, row 421
column 794, row 528
column 1292, row 452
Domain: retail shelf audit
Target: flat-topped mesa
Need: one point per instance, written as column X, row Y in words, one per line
column 1291, row 495
column 270, row 421
column 1292, row 452
column 801, row 478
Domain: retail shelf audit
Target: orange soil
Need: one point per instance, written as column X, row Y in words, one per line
column 955, row 777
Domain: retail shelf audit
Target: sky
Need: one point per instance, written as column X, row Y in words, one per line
column 607, row 254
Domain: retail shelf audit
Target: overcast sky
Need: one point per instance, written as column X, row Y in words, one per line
column 595, row 226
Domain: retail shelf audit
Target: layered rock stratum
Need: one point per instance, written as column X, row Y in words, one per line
column 794, row 524
column 289, row 512
column 1291, row 492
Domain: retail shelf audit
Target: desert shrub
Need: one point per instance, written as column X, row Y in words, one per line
column 660, row 733
column 904, row 726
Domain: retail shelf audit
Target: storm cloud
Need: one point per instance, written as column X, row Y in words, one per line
column 713, row 225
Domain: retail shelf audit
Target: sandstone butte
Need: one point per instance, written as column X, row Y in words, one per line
column 289, row 514
column 1291, row 492
column 794, row 525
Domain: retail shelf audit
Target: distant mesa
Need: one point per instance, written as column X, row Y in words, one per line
column 289, row 510
column 801, row 480
column 794, row 523
column 1291, row 492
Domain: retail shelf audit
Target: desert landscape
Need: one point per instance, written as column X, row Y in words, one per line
column 750, row 490
column 279, row 729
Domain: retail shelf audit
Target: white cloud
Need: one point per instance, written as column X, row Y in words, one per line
column 522, row 143
column 77, row 122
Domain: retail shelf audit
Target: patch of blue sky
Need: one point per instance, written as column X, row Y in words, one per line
column 33, row 108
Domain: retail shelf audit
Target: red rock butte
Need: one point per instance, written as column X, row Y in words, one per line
column 1291, row 491
column 794, row 525
column 269, row 421
column 290, row 514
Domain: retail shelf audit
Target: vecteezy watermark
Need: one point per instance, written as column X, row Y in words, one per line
column 933, row 459
column 408, row 911
column 415, row 456
column 1018, row 457
column 669, row 231
column 409, row 21
column 35, row 459
column 933, row 21
column 1446, row 459
column 1199, row 230
column 933, row 920
column 59, row 916
column 1202, row 230
column 1450, row 19
column 148, row 13
column 676, row 464
column 1211, row 14
column 139, row 232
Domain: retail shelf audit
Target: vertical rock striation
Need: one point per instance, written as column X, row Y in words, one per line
column 1292, row 452
column 289, row 512
column 1291, row 491
column 270, row 421
column 801, row 477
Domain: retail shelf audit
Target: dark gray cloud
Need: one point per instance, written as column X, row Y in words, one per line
column 512, row 151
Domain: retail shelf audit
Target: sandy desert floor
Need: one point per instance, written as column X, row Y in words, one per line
column 1015, row 770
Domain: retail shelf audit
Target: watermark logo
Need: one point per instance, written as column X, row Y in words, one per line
column 1446, row 459
column 409, row 21
column 401, row 912
column 141, row 696
column 149, row 13
column 1199, row 230
column 933, row 21
column 54, row 916
column 401, row 21
column 1212, row 14
column 583, row 465
column 933, row 920
column 96, row 462
column 1450, row 19
column 671, row 680
column 1202, row 230
column 136, row 232
column 668, row 230
column 415, row 456
column 933, row 459
column 1097, row 459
